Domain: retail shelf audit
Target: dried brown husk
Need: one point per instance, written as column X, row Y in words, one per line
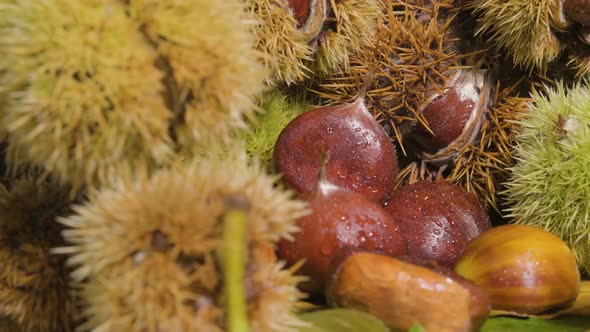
column 34, row 291
column 413, row 57
column 483, row 165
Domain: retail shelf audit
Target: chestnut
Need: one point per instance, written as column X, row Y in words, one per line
column 524, row 269
column 362, row 156
column 558, row 20
column 301, row 10
column 340, row 222
column 437, row 219
column 402, row 293
column 577, row 11
column 454, row 117
column 310, row 16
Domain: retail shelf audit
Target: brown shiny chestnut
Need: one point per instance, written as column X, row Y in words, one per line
column 341, row 222
column 524, row 269
column 402, row 293
column 577, row 10
column 362, row 156
column 437, row 219
column 310, row 16
column 454, row 117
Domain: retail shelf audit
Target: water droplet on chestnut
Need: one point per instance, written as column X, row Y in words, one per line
column 326, row 250
column 440, row 227
column 324, row 238
column 369, row 169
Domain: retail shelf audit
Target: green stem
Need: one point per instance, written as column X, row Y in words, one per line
column 233, row 258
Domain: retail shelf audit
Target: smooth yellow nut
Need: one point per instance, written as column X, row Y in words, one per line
column 524, row 269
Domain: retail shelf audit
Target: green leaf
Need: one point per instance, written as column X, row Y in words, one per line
column 417, row 328
column 565, row 324
column 342, row 320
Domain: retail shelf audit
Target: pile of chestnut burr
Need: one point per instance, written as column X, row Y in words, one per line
column 406, row 255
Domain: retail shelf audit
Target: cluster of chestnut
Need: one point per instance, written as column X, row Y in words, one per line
column 404, row 254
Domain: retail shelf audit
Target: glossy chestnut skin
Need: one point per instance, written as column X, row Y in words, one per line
column 447, row 116
column 577, row 10
column 437, row 219
column 454, row 117
column 301, row 10
column 524, row 269
column 341, row 222
column 361, row 155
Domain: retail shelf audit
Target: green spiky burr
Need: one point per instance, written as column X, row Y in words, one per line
column 550, row 185
column 149, row 253
column 278, row 109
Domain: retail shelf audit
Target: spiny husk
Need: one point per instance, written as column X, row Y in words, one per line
column 353, row 27
column 276, row 297
column 89, row 86
column 409, row 60
column 206, row 49
column 579, row 60
column 283, row 47
column 279, row 108
column 80, row 89
column 34, row 290
column 291, row 58
column 482, row 166
column 135, row 298
column 522, row 27
column 145, row 251
column 549, row 187
column 9, row 325
column 154, row 294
